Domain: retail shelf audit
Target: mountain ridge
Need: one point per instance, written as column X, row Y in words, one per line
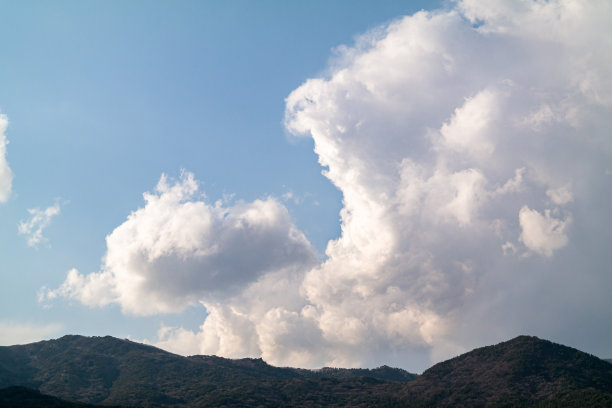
column 107, row 370
column 524, row 371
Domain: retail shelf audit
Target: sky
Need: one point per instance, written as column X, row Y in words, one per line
column 316, row 183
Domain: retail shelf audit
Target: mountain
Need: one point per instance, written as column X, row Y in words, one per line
column 525, row 371
column 106, row 370
column 381, row 373
column 24, row 397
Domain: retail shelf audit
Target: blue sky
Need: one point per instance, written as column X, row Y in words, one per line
column 103, row 97
column 465, row 153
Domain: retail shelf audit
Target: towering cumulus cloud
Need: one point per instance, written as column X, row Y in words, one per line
column 6, row 175
column 472, row 148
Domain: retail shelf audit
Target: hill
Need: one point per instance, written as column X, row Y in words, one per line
column 24, row 397
column 525, row 371
column 106, row 370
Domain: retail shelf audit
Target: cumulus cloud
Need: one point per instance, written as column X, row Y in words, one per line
column 467, row 130
column 6, row 175
column 39, row 220
column 178, row 340
column 442, row 130
column 542, row 233
column 178, row 249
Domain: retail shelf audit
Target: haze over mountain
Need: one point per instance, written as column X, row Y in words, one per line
column 525, row 371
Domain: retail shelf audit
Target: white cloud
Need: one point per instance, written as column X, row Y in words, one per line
column 178, row 249
column 509, row 248
column 514, row 185
column 178, row 340
column 428, row 129
column 543, row 234
column 96, row 289
column 468, row 131
column 39, row 220
column 12, row 333
column 6, row 175
column 434, row 128
column 561, row 195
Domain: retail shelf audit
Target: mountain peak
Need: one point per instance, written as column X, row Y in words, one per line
column 517, row 371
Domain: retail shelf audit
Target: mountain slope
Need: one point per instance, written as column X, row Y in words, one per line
column 525, row 371
column 24, row 397
column 112, row 371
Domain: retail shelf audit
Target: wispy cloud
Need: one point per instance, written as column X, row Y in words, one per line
column 39, row 220
column 6, row 175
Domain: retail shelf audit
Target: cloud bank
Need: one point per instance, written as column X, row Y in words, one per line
column 472, row 148
column 6, row 175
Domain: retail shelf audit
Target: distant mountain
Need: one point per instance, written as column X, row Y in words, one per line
column 381, row 373
column 609, row 360
column 525, row 371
